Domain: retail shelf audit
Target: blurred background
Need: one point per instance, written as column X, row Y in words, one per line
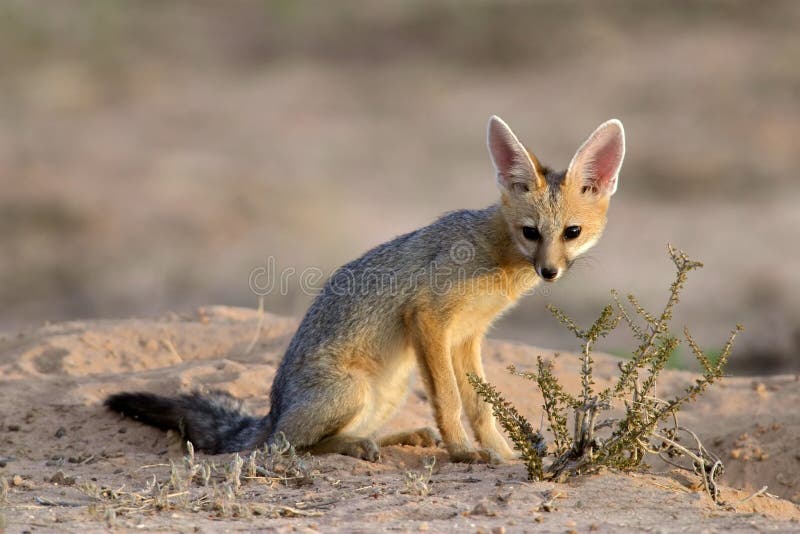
column 153, row 153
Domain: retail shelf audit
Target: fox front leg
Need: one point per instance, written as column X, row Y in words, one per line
column 432, row 345
column 467, row 359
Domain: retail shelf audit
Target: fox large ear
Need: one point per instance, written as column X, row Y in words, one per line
column 595, row 166
column 516, row 169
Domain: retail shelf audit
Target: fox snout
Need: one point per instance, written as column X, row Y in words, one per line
column 548, row 269
column 549, row 258
column 548, row 273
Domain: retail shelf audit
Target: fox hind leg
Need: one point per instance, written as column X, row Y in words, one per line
column 420, row 437
column 323, row 429
column 357, row 447
column 336, row 418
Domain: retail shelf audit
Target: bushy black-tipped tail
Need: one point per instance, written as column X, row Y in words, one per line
column 214, row 422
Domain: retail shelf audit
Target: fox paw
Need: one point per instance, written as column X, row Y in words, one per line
column 506, row 452
column 365, row 449
column 425, row 437
column 474, row 456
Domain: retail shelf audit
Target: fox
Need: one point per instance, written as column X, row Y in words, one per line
column 424, row 299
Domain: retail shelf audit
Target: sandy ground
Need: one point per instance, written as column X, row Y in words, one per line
column 55, row 377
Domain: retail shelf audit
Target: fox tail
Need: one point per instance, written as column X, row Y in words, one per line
column 215, row 422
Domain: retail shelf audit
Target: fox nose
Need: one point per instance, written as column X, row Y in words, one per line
column 548, row 273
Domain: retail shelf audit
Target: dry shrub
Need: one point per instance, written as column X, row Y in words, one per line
column 648, row 425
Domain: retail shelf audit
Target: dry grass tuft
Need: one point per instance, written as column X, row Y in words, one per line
column 419, row 484
column 203, row 485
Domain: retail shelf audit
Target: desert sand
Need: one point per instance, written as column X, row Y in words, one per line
column 63, row 454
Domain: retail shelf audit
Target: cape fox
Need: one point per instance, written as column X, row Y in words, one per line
column 426, row 297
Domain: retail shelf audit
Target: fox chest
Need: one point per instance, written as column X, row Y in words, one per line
column 476, row 314
column 481, row 303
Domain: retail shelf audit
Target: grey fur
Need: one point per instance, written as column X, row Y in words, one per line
column 311, row 395
column 214, row 422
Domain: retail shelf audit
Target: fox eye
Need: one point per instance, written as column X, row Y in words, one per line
column 531, row 233
column 571, row 232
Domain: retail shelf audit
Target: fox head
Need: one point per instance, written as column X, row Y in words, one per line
column 556, row 216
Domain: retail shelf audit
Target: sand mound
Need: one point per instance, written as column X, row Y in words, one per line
column 51, row 420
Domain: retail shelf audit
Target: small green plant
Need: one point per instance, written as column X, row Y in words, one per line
column 648, row 424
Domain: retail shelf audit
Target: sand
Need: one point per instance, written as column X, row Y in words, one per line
column 56, row 440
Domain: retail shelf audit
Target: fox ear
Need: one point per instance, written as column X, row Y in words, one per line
column 516, row 169
column 595, row 166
